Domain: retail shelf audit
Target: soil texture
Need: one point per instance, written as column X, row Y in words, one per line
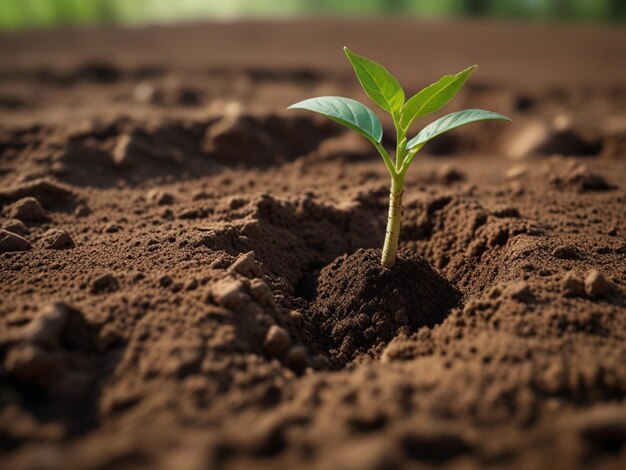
column 359, row 304
column 189, row 273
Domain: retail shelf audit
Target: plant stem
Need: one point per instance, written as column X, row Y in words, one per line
column 390, row 248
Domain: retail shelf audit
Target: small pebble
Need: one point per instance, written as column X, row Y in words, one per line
column 596, row 285
column 57, row 239
column 520, row 291
column 167, row 214
column 82, row 210
column 517, row 188
column 516, row 172
column 295, row 315
column 105, row 283
column 262, row 292
column 247, row 266
column 146, row 92
column 112, row 228
column 28, row 209
column 189, row 214
column 229, row 293
column 10, row 241
column 566, row 252
column 276, row 340
column 46, row 329
column 296, row 356
column 572, row 285
column 159, row 197
column 122, row 154
column 16, row 226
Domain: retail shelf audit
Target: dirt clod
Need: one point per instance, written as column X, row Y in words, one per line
column 59, row 322
column 246, row 139
column 28, row 209
column 581, row 179
column 296, row 356
column 566, row 252
column 16, row 226
column 50, row 194
column 57, row 239
column 246, row 265
column 516, row 172
column 520, row 291
column 572, row 284
column 54, row 352
column 357, row 301
column 112, row 228
column 161, row 198
column 33, row 364
column 122, row 154
column 229, row 293
column 106, row 282
column 10, row 241
column 597, row 285
column 542, row 138
column 82, row 210
column 276, row 340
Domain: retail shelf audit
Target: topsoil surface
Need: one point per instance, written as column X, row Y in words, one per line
column 189, row 275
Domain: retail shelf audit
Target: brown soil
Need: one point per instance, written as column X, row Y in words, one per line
column 189, row 273
column 360, row 305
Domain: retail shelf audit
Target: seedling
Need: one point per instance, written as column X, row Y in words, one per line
column 384, row 90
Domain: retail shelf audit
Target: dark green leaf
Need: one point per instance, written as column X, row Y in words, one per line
column 345, row 111
column 434, row 97
column 378, row 83
column 452, row 121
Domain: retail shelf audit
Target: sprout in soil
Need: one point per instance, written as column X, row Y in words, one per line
column 384, row 90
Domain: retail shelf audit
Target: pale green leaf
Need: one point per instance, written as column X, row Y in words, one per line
column 345, row 111
column 452, row 121
column 434, row 97
column 382, row 87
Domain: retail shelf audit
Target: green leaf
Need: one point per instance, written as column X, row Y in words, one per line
column 434, row 97
column 452, row 121
column 377, row 82
column 345, row 111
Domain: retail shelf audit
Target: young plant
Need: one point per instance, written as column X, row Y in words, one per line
column 384, row 90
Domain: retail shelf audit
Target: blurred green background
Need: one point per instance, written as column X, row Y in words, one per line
column 17, row 14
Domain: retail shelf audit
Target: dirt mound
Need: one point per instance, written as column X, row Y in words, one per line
column 293, row 238
column 360, row 305
column 254, row 141
column 54, row 362
column 124, row 151
column 581, row 179
column 48, row 193
column 557, row 137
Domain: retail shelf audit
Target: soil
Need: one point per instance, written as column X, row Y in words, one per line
column 359, row 305
column 189, row 273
